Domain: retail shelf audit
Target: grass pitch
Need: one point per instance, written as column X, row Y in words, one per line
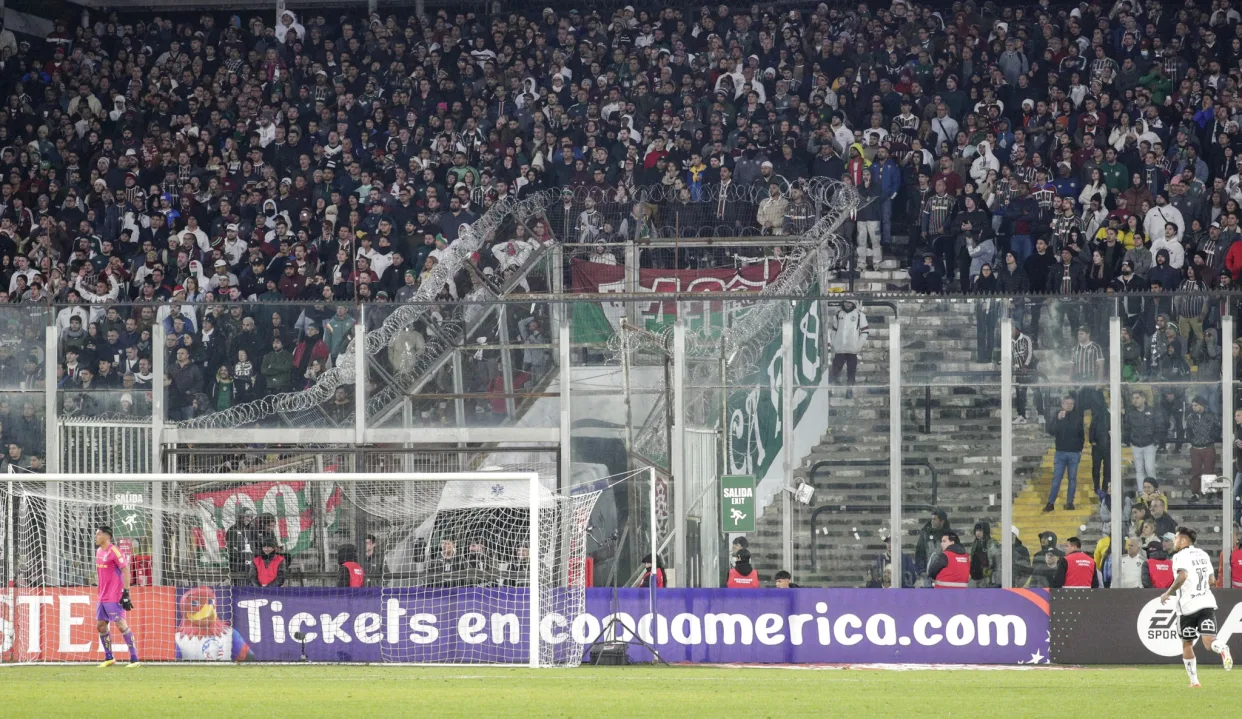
column 680, row 692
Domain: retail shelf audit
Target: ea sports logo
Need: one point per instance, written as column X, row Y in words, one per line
column 1158, row 629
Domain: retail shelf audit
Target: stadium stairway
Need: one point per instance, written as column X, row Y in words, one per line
column 1028, row 505
column 962, row 443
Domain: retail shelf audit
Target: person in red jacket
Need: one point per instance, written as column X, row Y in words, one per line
column 350, row 573
column 950, row 568
column 1076, row 570
column 659, row 573
column 1233, row 261
column 1234, row 559
column 742, row 575
column 267, row 568
column 1158, row 569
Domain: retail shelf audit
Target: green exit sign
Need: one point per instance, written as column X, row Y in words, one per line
column 737, row 503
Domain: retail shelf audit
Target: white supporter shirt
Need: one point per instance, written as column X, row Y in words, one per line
column 1195, row 593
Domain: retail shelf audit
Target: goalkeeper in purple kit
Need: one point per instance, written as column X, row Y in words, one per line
column 112, row 569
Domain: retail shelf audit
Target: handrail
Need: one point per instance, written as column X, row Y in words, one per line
column 852, row 508
column 815, row 468
column 931, row 469
column 927, row 387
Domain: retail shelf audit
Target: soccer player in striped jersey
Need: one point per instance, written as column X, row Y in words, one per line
column 112, row 571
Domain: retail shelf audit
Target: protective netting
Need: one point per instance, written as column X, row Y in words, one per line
column 298, row 566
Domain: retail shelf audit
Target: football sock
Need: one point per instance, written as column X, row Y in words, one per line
column 105, row 638
column 1218, row 646
column 133, row 646
column 1192, row 670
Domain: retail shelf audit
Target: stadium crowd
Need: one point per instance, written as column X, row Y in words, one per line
column 1149, row 535
column 248, row 182
column 198, row 159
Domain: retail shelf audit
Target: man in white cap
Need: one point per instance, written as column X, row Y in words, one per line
column 221, row 273
column 234, row 247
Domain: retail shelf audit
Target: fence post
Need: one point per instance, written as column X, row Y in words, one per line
column 158, row 395
column 1006, row 533
column 51, row 427
column 1227, row 332
column 566, row 417
column 894, row 448
column 1114, row 444
column 677, row 458
column 360, row 376
column 787, row 446
column 506, row 359
column 631, row 281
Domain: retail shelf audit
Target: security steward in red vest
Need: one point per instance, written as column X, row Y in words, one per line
column 1076, row 570
column 1235, row 564
column 1158, row 569
column 742, row 575
column 350, row 572
column 950, row 569
column 267, row 568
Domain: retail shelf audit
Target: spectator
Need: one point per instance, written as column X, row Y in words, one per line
column 373, row 561
column 1066, row 428
column 1202, row 431
column 742, row 575
column 1021, row 559
column 349, row 572
column 868, row 223
column 184, row 382
column 278, row 368
column 476, row 555
column 784, row 580
column 985, row 557
column 1101, row 448
column 267, row 568
column 240, row 541
column 447, row 561
column 738, row 544
column 883, row 563
column 535, row 360
column 1045, row 569
column 771, row 215
column 848, row 334
column 659, row 573
column 1024, row 364
column 929, row 538
column 1237, row 453
column 925, row 277
column 1150, row 492
column 1075, row 570
column 1138, row 514
column 1157, row 571
column 1133, row 565
column 950, row 567
column 1161, row 520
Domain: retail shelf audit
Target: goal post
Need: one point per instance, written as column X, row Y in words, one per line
column 471, row 568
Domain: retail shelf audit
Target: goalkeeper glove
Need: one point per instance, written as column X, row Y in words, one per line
column 126, row 603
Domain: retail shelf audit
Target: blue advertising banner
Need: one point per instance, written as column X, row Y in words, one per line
column 798, row 626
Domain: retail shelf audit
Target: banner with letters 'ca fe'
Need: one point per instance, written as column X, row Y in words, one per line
column 989, row 626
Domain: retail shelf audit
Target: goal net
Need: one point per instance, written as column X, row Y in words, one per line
column 439, row 568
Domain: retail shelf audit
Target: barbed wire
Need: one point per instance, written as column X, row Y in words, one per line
column 447, row 330
column 751, row 328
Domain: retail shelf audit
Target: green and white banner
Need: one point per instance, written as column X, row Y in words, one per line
column 755, row 434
